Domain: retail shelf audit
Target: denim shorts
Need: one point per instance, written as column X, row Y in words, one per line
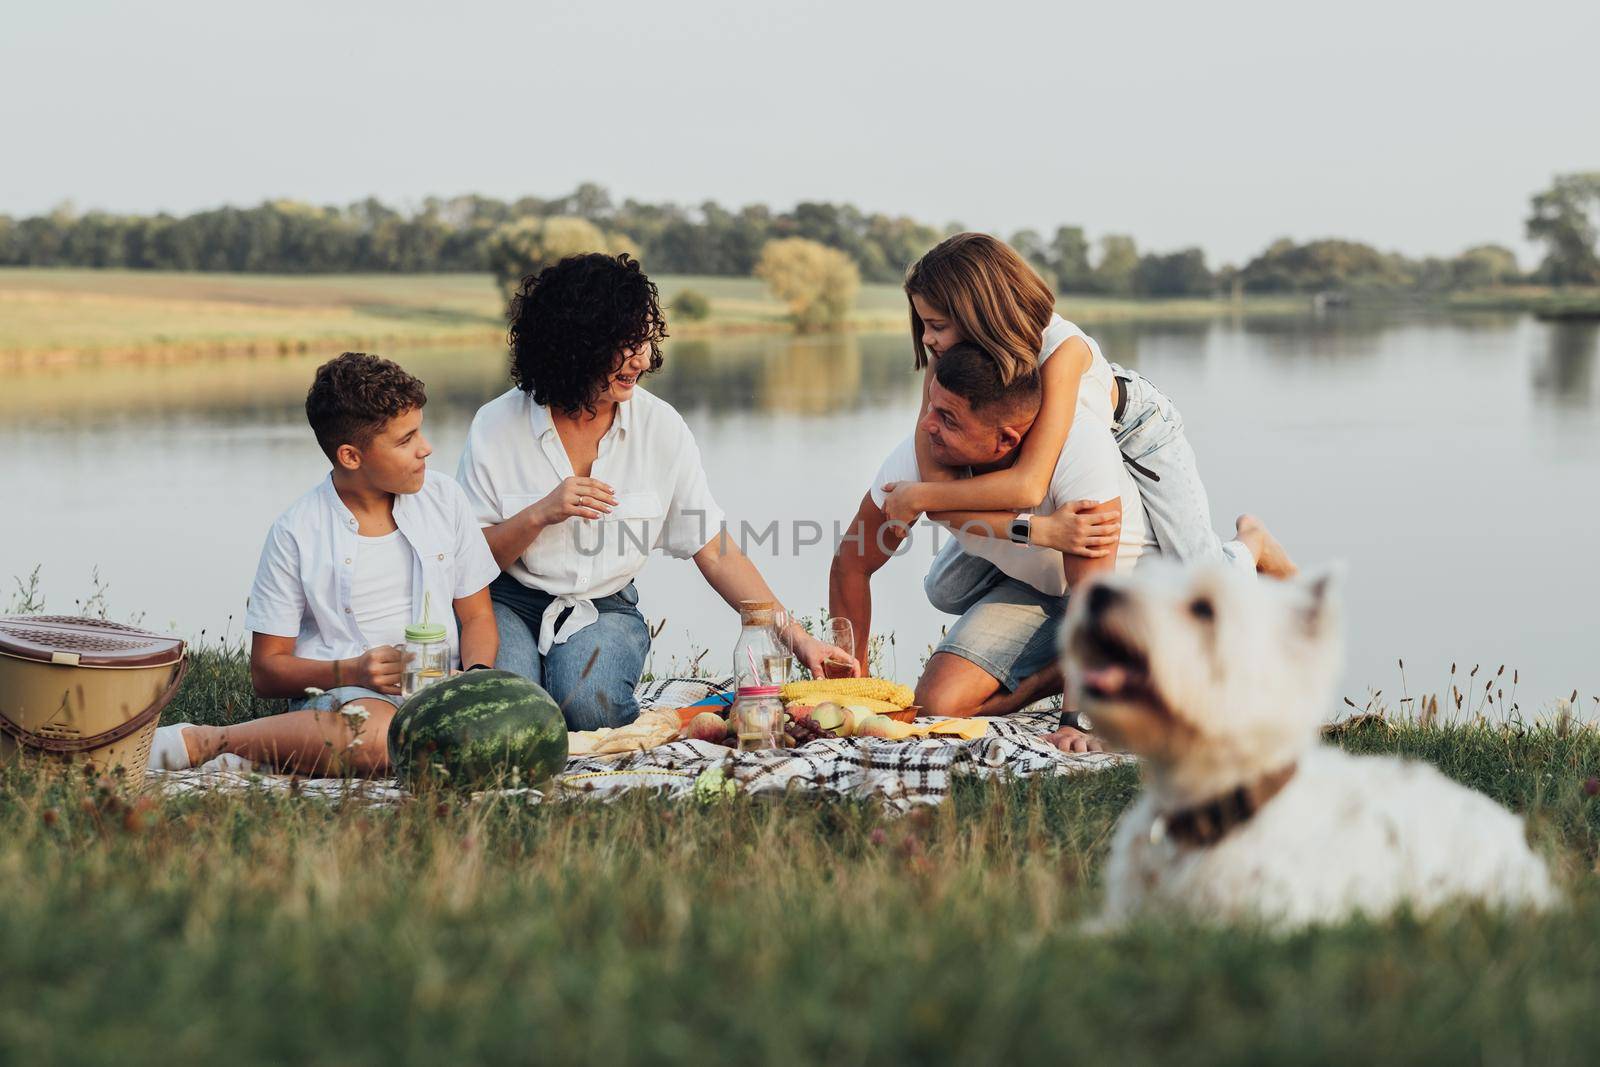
column 1006, row 627
column 334, row 699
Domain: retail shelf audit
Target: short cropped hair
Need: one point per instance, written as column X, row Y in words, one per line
column 570, row 322
column 974, row 375
column 354, row 395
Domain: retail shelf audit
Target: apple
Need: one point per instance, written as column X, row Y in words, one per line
column 706, row 726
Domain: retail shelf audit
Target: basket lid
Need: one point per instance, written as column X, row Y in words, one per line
column 72, row 639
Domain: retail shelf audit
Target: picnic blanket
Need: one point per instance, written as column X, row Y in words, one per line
column 897, row 774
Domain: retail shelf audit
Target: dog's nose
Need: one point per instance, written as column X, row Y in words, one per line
column 1101, row 597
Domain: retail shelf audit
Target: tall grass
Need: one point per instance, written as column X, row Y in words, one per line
column 272, row 928
column 266, row 929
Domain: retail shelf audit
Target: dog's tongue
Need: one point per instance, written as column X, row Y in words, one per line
column 1108, row 679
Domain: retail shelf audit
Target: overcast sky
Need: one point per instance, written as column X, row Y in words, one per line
column 1418, row 127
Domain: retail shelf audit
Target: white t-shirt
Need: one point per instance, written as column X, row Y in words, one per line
column 382, row 592
column 1094, row 392
column 306, row 584
column 514, row 457
column 1090, row 468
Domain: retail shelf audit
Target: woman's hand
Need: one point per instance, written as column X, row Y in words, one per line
column 585, row 498
column 1078, row 530
column 901, row 503
column 814, row 653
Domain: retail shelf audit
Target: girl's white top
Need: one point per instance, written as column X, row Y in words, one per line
column 514, row 457
column 1094, row 393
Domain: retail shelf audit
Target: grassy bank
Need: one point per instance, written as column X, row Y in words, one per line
column 56, row 316
column 272, row 930
column 1545, row 302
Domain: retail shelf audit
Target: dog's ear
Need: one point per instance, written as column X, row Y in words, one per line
column 1322, row 602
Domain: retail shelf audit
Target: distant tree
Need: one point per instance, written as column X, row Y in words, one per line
column 1117, row 271
column 691, row 304
column 1484, row 266
column 1566, row 219
column 1175, row 274
column 817, row 282
column 1319, row 266
column 527, row 246
column 1069, row 257
column 1031, row 246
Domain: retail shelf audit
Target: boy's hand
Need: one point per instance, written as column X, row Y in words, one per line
column 380, row 669
column 586, row 498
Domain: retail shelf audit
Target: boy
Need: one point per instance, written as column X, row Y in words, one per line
column 344, row 570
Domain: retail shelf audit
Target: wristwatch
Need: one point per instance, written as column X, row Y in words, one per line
column 1022, row 527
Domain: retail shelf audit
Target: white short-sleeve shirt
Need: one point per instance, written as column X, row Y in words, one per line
column 1090, row 468
column 1094, row 392
column 514, row 457
column 305, row 584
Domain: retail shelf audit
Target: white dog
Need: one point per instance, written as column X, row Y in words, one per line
column 1220, row 682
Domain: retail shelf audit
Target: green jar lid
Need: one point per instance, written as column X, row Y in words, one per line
column 425, row 631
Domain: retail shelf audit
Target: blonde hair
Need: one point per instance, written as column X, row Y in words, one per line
column 995, row 299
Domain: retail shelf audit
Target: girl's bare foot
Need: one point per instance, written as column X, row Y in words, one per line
column 1271, row 559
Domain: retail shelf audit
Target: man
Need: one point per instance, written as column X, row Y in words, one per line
column 1009, row 591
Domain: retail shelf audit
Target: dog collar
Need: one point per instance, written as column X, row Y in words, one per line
column 1205, row 824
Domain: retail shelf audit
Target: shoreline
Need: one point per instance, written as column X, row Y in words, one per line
column 61, row 319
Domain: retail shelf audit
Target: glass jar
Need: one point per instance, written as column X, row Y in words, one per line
column 427, row 657
column 759, row 657
column 757, row 718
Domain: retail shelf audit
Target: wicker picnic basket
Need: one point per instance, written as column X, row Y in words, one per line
column 76, row 689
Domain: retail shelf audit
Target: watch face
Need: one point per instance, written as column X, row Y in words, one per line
column 1019, row 530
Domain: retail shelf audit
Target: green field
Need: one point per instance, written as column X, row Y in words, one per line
column 1576, row 302
column 66, row 315
column 805, row 931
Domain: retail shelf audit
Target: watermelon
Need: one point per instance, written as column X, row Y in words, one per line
column 477, row 729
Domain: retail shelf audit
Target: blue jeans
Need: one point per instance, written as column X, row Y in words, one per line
column 334, row 699
column 592, row 675
column 1006, row 627
column 1149, row 431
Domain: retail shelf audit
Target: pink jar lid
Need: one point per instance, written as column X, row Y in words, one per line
column 760, row 690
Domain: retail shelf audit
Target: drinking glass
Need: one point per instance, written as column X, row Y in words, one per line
column 837, row 631
column 779, row 666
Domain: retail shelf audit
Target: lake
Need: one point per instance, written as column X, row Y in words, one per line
column 1450, row 464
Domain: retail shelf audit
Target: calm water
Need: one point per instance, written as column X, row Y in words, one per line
column 1453, row 466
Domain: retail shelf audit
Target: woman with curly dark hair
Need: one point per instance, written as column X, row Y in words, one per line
column 577, row 474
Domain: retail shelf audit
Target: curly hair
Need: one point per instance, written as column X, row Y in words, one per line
column 354, row 395
column 572, row 321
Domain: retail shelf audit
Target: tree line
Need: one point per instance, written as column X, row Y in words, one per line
column 473, row 233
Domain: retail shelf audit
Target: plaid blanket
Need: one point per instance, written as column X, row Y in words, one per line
column 897, row 774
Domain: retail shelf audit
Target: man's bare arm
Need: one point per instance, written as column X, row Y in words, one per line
column 867, row 545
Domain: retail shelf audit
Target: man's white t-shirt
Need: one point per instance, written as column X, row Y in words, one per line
column 1090, row 468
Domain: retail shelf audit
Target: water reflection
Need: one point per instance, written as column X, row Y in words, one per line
column 775, row 373
column 1565, row 369
column 806, row 375
column 1358, row 436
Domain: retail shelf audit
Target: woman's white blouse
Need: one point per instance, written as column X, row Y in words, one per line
column 514, row 457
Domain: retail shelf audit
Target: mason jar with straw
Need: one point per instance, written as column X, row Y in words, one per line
column 427, row 654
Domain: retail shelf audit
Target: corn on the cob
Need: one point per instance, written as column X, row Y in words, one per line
column 851, row 689
column 876, row 706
